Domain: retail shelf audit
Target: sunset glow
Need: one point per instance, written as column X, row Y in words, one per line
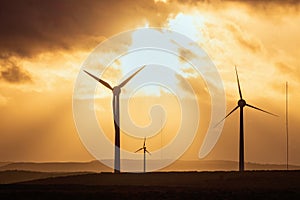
column 42, row 53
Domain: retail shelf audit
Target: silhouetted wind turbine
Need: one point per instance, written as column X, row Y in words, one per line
column 287, row 124
column 241, row 104
column 116, row 111
column 145, row 150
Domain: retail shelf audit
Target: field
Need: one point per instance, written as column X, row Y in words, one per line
column 158, row 185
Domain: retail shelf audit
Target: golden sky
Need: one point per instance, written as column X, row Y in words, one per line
column 43, row 45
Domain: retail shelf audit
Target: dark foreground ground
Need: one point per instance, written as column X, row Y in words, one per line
column 172, row 185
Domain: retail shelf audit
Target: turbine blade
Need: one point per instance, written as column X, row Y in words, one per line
column 130, row 77
column 148, row 152
column 238, row 81
column 138, row 150
column 99, row 80
column 261, row 110
column 144, row 142
column 227, row 115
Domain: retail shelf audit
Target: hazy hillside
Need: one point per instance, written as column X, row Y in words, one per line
column 96, row 166
column 220, row 165
column 3, row 163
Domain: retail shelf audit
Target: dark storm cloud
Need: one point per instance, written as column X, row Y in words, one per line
column 31, row 27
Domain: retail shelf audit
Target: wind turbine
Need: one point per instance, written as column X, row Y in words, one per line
column 241, row 104
column 287, row 124
column 116, row 111
column 145, row 150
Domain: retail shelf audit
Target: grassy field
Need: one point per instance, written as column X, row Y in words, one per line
column 160, row 185
column 16, row 176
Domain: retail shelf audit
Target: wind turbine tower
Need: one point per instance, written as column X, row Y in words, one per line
column 116, row 112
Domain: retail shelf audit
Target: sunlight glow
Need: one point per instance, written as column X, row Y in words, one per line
column 187, row 24
column 163, row 1
column 146, row 24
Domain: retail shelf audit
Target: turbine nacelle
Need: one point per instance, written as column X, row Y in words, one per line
column 242, row 103
column 116, row 90
column 143, row 148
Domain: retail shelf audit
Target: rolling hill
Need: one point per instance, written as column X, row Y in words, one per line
column 96, row 166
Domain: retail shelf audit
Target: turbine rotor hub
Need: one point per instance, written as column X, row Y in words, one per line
column 241, row 103
column 116, row 90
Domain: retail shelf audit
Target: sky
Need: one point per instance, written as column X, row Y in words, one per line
column 44, row 44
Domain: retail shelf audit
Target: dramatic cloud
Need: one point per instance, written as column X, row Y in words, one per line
column 13, row 73
column 31, row 27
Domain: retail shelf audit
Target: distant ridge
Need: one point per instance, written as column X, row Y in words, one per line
column 93, row 166
column 4, row 163
column 181, row 165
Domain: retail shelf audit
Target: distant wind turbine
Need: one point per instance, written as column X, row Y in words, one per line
column 145, row 151
column 116, row 111
column 287, row 123
column 241, row 104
